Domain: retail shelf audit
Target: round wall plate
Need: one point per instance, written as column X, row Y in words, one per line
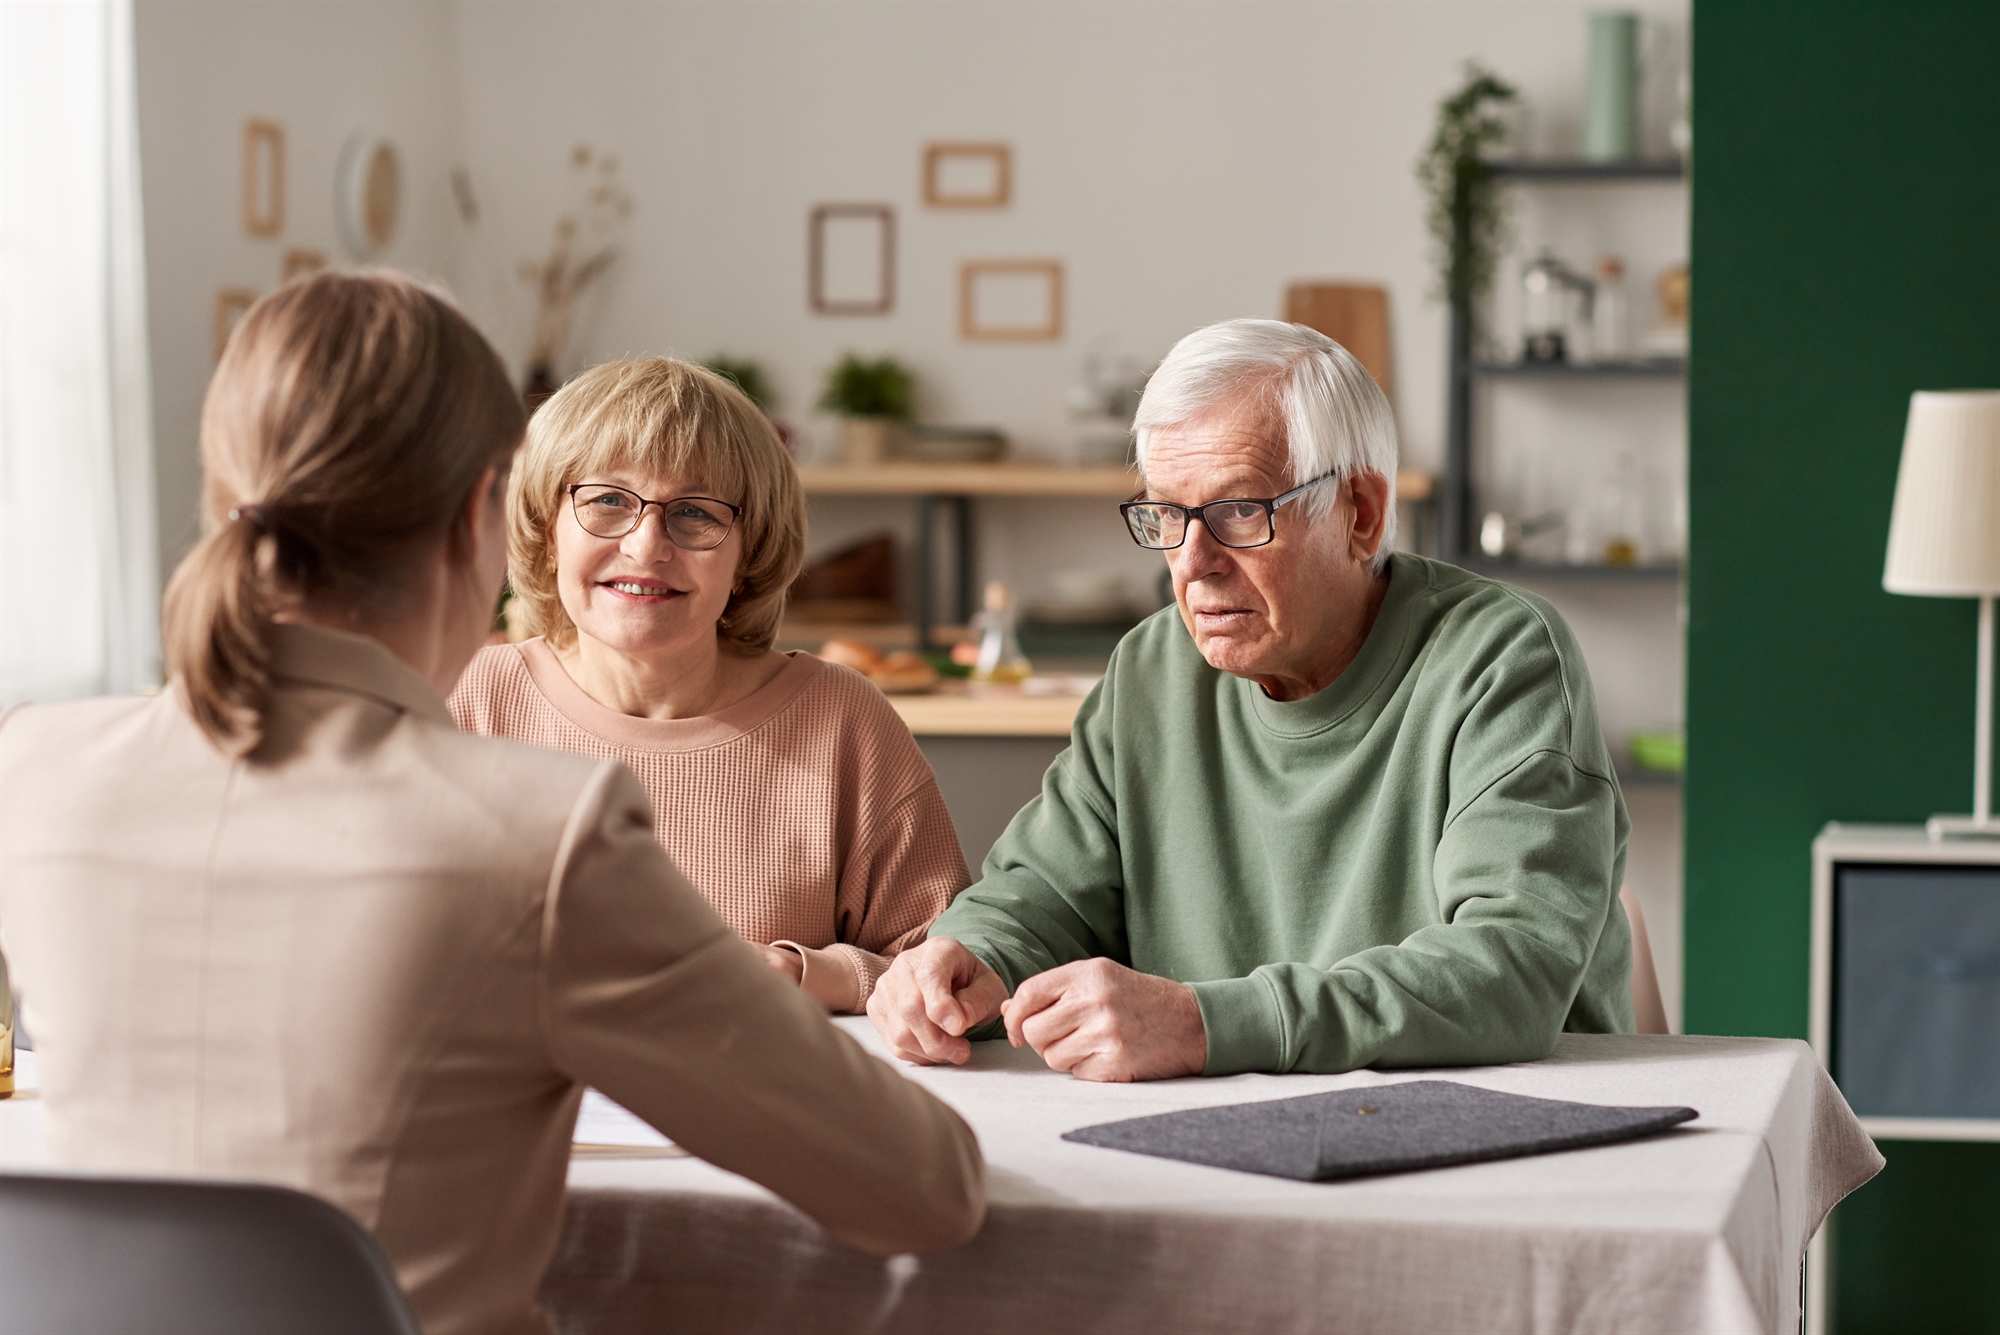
column 367, row 194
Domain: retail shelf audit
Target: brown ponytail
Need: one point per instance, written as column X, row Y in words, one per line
column 346, row 425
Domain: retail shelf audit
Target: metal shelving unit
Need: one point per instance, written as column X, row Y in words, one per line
column 1534, row 570
column 1456, row 493
column 1579, row 172
column 1652, row 368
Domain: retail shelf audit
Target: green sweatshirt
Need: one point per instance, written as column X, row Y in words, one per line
column 1417, row 866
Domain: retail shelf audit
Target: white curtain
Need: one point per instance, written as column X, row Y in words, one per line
column 79, row 578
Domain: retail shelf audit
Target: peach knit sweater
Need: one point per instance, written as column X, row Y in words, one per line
column 805, row 813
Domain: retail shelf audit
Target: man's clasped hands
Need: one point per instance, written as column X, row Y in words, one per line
column 1093, row 1018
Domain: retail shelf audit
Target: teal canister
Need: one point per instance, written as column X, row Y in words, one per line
column 1611, row 88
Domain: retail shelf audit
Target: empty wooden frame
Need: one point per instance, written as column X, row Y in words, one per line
column 851, row 259
column 968, row 176
column 230, row 304
column 298, row 262
column 1010, row 301
column 263, row 178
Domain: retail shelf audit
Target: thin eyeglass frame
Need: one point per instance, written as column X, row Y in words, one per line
column 1190, row 513
column 639, row 517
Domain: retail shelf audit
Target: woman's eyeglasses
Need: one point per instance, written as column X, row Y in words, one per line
column 693, row 523
column 1233, row 523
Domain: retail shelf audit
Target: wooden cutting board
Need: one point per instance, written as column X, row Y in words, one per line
column 1354, row 315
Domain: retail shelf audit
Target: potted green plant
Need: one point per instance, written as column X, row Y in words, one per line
column 747, row 376
column 1467, row 216
column 873, row 399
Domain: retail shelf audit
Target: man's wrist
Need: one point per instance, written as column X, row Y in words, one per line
column 1196, row 1046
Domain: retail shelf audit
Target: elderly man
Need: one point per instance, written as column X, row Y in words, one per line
column 1345, row 808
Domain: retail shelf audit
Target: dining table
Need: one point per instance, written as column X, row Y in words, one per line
column 1701, row 1228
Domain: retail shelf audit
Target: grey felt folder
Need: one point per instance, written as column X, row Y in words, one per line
column 1385, row 1129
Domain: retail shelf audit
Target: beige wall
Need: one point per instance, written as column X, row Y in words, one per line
column 321, row 70
column 1185, row 161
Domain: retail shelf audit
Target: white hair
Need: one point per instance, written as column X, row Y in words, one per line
column 1336, row 418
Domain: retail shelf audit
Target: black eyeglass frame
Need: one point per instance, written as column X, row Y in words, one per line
column 1190, row 513
column 735, row 513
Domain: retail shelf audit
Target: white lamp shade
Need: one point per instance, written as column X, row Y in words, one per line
column 1944, row 533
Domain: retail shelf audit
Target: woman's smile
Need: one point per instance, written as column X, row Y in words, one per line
column 641, row 590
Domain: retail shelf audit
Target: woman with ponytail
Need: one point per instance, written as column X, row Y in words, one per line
column 284, row 921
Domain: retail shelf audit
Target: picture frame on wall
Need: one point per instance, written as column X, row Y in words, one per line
column 301, row 261
column 230, row 305
column 1010, row 300
column 968, row 175
column 851, row 259
column 263, row 177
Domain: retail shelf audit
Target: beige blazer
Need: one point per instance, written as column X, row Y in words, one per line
column 380, row 962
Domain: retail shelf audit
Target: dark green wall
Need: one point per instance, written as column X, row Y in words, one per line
column 1846, row 251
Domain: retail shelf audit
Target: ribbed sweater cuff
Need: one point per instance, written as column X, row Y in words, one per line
column 829, row 977
column 1245, row 1031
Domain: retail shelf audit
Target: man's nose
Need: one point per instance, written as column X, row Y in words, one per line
column 1199, row 555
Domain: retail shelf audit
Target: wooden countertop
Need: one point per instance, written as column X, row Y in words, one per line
column 922, row 479
column 961, row 713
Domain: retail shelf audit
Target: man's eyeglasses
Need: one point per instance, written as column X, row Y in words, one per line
column 693, row 523
column 1237, row 522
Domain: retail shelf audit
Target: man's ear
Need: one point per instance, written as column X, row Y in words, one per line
column 1368, row 493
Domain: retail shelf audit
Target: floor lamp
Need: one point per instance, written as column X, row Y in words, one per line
column 1944, row 542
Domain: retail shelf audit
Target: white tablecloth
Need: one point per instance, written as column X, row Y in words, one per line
column 1702, row 1229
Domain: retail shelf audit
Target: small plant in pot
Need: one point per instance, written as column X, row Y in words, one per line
column 873, row 399
column 747, row 376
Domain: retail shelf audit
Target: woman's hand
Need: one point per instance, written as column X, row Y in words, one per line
column 785, row 963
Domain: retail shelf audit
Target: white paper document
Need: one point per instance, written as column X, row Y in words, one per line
column 602, row 1122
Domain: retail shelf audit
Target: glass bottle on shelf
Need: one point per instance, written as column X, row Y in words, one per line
column 1555, row 311
column 1000, row 657
column 1611, row 313
column 1621, row 511
column 6, row 1039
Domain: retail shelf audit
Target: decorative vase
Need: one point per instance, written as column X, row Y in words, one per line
column 868, row 440
column 1611, row 89
column 539, row 387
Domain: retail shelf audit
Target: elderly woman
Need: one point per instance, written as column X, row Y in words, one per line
column 655, row 524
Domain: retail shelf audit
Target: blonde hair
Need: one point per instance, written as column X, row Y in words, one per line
column 667, row 418
column 347, row 423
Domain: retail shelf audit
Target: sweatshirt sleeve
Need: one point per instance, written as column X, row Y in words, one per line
column 901, row 874
column 649, row 997
column 1526, row 876
column 1052, row 890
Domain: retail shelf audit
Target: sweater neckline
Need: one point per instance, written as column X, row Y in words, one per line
column 1360, row 680
column 672, row 734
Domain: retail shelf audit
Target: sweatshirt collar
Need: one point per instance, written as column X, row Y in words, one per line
column 1359, row 682
column 316, row 656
